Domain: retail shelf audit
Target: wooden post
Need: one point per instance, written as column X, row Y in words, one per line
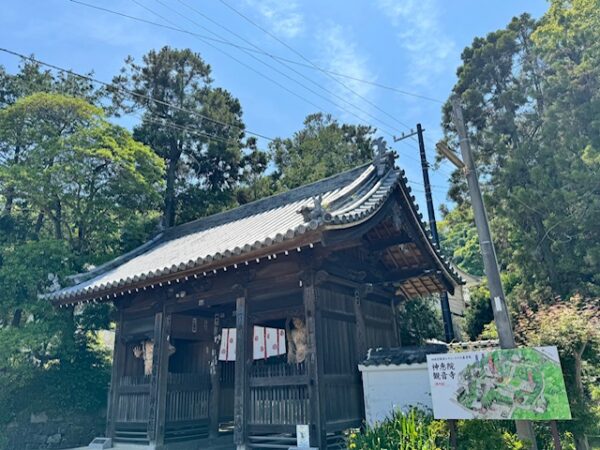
column 555, row 435
column 395, row 323
column 163, row 379
column 215, row 377
column 453, row 434
column 158, row 322
column 318, row 432
column 361, row 333
column 158, row 382
column 241, row 372
column 115, row 377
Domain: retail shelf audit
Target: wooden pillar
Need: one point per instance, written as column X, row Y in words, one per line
column 395, row 323
column 158, row 381
column 118, row 365
column 242, row 350
column 318, row 429
column 361, row 330
column 215, row 380
column 361, row 338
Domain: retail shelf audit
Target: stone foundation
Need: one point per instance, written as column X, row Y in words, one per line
column 44, row 431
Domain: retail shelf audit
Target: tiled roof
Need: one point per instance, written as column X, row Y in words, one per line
column 336, row 202
column 402, row 355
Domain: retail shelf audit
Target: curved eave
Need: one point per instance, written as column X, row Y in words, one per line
column 355, row 203
column 444, row 264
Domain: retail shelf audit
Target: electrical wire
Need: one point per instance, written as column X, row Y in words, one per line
column 274, row 81
column 310, row 80
column 275, row 57
column 296, row 52
column 132, row 93
column 266, row 53
column 270, row 66
column 315, row 66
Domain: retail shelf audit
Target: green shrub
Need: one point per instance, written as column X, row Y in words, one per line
column 413, row 430
column 417, row 430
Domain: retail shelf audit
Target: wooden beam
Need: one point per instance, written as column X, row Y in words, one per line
column 119, row 350
column 318, row 430
column 395, row 322
column 215, row 377
column 163, row 376
column 241, row 372
column 361, row 333
column 382, row 244
column 399, row 276
column 158, row 325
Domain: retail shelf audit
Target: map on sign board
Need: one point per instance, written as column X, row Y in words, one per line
column 521, row 383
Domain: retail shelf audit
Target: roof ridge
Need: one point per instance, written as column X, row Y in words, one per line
column 261, row 205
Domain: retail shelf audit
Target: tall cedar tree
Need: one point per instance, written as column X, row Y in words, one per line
column 196, row 128
column 531, row 96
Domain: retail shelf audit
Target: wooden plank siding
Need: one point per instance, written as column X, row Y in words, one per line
column 260, row 401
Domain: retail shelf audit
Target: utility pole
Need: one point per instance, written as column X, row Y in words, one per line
column 445, row 304
column 501, row 316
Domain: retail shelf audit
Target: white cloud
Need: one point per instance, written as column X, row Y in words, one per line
column 283, row 16
column 340, row 54
column 420, row 32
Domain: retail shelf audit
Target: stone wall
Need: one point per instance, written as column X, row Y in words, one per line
column 46, row 431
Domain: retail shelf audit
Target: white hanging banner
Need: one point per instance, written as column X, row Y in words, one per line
column 228, row 341
column 268, row 342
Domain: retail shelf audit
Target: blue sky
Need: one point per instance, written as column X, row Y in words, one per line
column 411, row 45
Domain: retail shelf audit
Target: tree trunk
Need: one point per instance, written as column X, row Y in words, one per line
column 9, row 195
column 169, row 213
column 16, row 320
column 581, row 441
column 38, row 225
column 56, row 220
column 548, row 257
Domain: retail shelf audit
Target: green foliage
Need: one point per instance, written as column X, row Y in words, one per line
column 479, row 313
column 486, row 434
column 67, row 164
column 574, row 327
column 322, row 148
column 416, row 430
column 413, row 430
column 70, row 184
column 196, row 128
column 530, row 93
column 489, row 331
column 531, row 96
column 420, row 320
column 459, row 240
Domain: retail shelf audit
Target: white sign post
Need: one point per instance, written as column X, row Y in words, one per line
column 302, row 436
column 510, row 384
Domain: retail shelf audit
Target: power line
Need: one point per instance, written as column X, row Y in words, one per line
column 320, row 69
column 242, row 63
column 320, row 86
column 296, row 52
column 269, row 78
column 278, row 71
column 205, row 38
column 132, row 93
column 263, row 52
column 149, row 117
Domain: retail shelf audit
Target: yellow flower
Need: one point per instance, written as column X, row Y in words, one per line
column 353, row 436
column 352, row 445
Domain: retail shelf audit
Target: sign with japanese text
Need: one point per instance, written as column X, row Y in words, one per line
column 520, row 383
